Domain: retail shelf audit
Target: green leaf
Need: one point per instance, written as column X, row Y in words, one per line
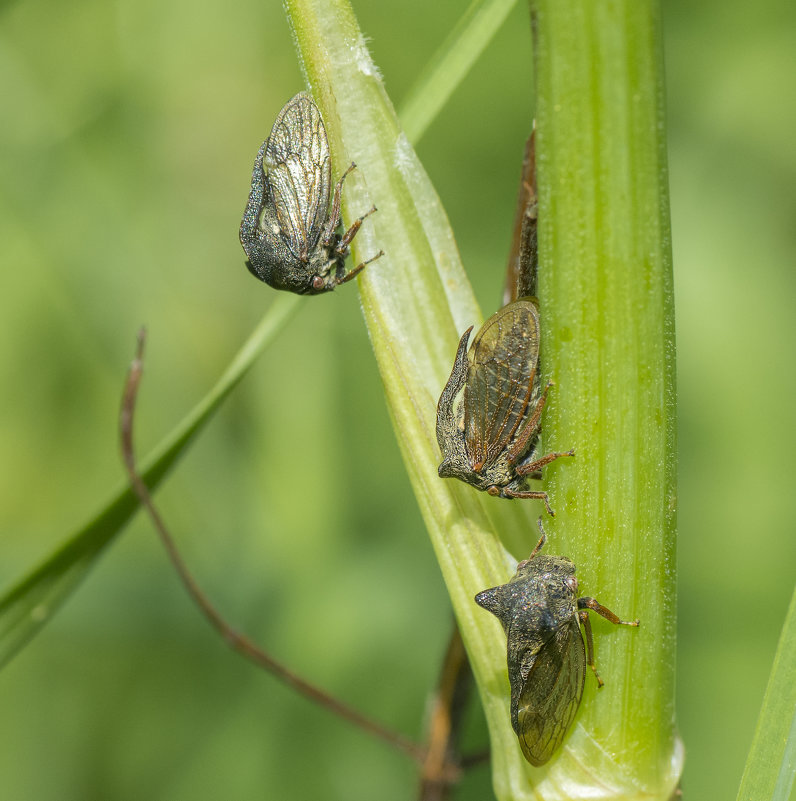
column 771, row 765
column 28, row 605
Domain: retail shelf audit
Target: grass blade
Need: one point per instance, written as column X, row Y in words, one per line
column 450, row 64
column 771, row 765
column 27, row 606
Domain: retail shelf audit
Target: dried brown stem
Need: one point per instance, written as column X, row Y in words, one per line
column 442, row 767
column 523, row 256
column 238, row 642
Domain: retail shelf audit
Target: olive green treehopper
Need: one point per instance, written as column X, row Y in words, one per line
column 541, row 613
column 488, row 438
column 290, row 235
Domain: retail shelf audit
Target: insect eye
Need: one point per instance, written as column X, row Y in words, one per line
column 317, row 282
column 572, row 583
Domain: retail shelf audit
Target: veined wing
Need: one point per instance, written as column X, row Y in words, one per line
column 499, row 384
column 298, row 165
column 551, row 694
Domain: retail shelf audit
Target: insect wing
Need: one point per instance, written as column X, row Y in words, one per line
column 298, row 164
column 551, row 694
column 499, row 384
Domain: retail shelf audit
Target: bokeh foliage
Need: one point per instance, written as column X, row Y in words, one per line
column 127, row 133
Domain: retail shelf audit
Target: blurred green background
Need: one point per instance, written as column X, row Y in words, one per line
column 127, row 134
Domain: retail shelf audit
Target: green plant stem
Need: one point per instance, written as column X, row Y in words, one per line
column 605, row 286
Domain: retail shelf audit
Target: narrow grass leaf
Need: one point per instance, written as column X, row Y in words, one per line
column 450, row 64
column 771, row 765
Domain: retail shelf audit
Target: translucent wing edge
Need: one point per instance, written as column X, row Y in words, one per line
column 495, row 410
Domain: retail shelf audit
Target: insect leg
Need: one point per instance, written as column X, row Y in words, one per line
column 539, row 496
column 539, row 546
column 530, row 428
column 591, row 603
column 358, row 269
column 334, row 218
column 342, row 245
column 542, row 539
column 586, row 623
column 538, row 464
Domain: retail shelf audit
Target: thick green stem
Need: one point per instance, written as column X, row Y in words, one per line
column 605, row 286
